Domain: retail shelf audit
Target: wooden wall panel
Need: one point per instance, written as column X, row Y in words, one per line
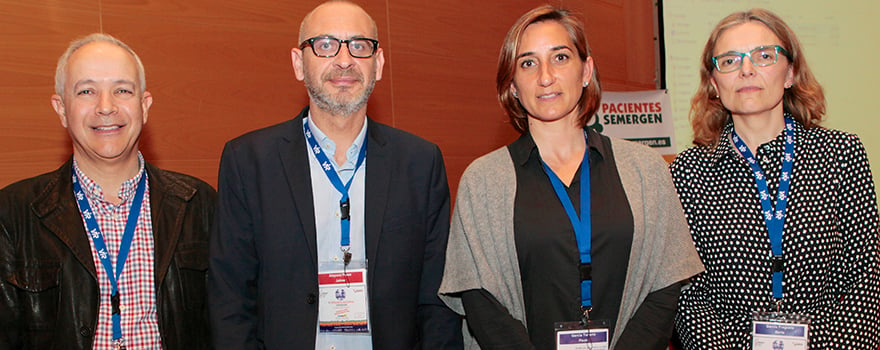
column 224, row 70
column 32, row 36
column 621, row 35
column 445, row 62
column 220, row 68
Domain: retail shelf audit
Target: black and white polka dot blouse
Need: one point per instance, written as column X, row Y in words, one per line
column 829, row 242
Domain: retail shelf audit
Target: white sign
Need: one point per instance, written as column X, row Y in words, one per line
column 640, row 116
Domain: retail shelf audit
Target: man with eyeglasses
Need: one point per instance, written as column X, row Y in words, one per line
column 331, row 228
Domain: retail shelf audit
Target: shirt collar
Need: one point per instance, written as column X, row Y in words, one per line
column 525, row 148
column 323, row 140
column 725, row 148
column 96, row 193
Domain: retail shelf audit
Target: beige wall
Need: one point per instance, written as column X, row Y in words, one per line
column 220, row 68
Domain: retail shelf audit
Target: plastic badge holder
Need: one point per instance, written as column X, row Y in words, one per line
column 780, row 331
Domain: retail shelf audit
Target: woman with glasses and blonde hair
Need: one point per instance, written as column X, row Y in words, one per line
column 564, row 225
column 782, row 211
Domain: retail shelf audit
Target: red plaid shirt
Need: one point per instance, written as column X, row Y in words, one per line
column 140, row 327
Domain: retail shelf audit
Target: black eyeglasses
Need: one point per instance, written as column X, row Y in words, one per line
column 328, row 46
column 761, row 56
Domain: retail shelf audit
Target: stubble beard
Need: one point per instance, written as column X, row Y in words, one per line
column 338, row 104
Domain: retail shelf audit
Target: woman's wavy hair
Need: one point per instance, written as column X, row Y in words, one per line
column 805, row 100
column 590, row 99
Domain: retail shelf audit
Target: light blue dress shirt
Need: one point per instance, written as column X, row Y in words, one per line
column 327, row 221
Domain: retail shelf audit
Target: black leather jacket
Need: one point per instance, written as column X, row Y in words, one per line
column 48, row 287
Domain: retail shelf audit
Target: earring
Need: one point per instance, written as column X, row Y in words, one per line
column 515, row 95
column 586, row 83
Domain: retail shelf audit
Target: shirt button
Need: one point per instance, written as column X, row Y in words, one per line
column 311, row 298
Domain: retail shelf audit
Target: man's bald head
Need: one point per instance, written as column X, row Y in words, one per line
column 332, row 9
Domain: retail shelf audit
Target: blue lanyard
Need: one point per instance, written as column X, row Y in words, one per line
column 774, row 218
column 582, row 225
column 103, row 254
column 344, row 203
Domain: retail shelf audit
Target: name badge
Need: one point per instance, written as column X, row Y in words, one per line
column 343, row 305
column 780, row 331
column 592, row 335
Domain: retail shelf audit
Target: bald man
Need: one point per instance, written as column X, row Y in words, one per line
column 331, row 229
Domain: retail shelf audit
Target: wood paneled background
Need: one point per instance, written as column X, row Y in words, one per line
column 219, row 68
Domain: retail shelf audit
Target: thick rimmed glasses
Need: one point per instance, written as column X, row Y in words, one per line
column 761, row 56
column 328, row 46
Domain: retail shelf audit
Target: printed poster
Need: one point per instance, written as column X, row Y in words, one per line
column 640, row 116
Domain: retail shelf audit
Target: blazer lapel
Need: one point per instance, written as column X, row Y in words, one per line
column 378, row 180
column 295, row 161
column 58, row 211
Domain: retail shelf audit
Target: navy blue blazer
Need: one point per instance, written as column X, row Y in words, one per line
column 263, row 275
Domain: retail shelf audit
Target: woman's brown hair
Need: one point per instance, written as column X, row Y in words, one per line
column 805, row 100
column 589, row 100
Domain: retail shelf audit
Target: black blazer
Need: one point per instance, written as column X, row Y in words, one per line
column 263, row 284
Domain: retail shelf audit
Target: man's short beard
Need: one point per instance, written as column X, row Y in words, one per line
column 338, row 106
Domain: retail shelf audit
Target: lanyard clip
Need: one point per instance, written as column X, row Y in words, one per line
column 778, row 263
column 344, row 207
column 119, row 344
column 346, row 254
column 586, row 314
column 586, row 271
column 114, row 303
